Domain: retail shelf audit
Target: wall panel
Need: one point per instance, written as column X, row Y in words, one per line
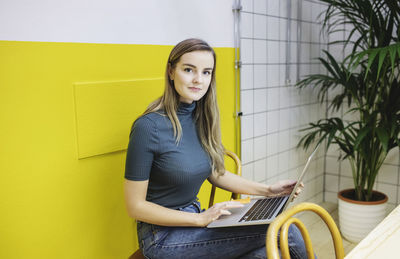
column 104, row 110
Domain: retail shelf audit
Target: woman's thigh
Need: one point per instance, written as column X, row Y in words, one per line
column 188, row 242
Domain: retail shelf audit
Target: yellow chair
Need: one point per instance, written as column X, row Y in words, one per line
column 138, row 253
column 238, row 165
column 284, row 220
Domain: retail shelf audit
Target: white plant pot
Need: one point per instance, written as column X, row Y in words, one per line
column 358, row 218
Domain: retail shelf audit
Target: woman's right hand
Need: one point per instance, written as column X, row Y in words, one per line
column 216, row 211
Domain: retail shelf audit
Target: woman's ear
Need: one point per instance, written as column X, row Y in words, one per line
column 170, row 72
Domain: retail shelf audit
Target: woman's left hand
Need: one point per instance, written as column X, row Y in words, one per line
column 285, row 187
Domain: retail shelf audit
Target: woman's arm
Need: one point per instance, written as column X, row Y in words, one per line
column 140, row 209
column 236, row 184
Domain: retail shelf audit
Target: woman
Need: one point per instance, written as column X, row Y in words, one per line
column 174, row 147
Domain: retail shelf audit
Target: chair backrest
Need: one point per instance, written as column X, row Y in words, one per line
column 238, row 165
column 284, row 220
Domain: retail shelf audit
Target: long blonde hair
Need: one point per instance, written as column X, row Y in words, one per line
column 206, row 112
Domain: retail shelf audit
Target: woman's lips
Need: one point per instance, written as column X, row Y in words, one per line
column 194, row 89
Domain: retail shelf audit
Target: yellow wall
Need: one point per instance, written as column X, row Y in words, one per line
column 53, row 204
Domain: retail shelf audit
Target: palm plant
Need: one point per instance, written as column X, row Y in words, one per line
column 369, row 83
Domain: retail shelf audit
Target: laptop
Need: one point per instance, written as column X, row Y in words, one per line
column 260, row 210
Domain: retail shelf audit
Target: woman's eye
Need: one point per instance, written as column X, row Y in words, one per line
column 207, row 72
column 188, row 69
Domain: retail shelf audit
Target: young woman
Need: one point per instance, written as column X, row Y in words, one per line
column 174, row 147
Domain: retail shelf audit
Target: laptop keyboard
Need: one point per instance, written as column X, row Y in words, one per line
column 262, row 209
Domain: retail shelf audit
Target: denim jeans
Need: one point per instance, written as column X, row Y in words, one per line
column 196, row 242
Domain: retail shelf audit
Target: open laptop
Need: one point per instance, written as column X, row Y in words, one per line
column 260, row 210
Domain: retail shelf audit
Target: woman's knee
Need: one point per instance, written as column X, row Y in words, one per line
column 297, row 247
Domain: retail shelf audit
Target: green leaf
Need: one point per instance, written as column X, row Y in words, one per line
column 357, row 57
column 328, row 66
column 363, row 132
column 371, row 57
column 333, row 63
column 392, row 54
column 383, row 136
column 382, row 55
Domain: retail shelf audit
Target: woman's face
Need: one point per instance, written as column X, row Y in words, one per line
column 192, row 75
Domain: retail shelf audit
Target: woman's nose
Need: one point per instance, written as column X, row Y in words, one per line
column 198, row 78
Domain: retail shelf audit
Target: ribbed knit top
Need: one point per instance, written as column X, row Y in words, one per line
column 175, row 171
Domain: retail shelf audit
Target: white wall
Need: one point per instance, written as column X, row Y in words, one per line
column 118, row 21
column 274, row 111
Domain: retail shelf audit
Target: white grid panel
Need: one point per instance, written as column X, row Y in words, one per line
column 274, row 111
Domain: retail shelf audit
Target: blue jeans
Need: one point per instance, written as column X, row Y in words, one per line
column 195, row 242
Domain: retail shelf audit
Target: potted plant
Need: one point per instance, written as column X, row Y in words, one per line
column 367, row 84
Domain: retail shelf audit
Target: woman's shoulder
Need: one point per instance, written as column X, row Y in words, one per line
column 151, row 119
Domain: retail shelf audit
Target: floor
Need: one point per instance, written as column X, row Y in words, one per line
column 320, row 236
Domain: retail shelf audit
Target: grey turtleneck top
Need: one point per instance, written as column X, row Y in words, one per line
column 175, row 171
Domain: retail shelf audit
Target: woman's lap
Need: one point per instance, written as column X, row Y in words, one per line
column 170, row 242
column 193, row 242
